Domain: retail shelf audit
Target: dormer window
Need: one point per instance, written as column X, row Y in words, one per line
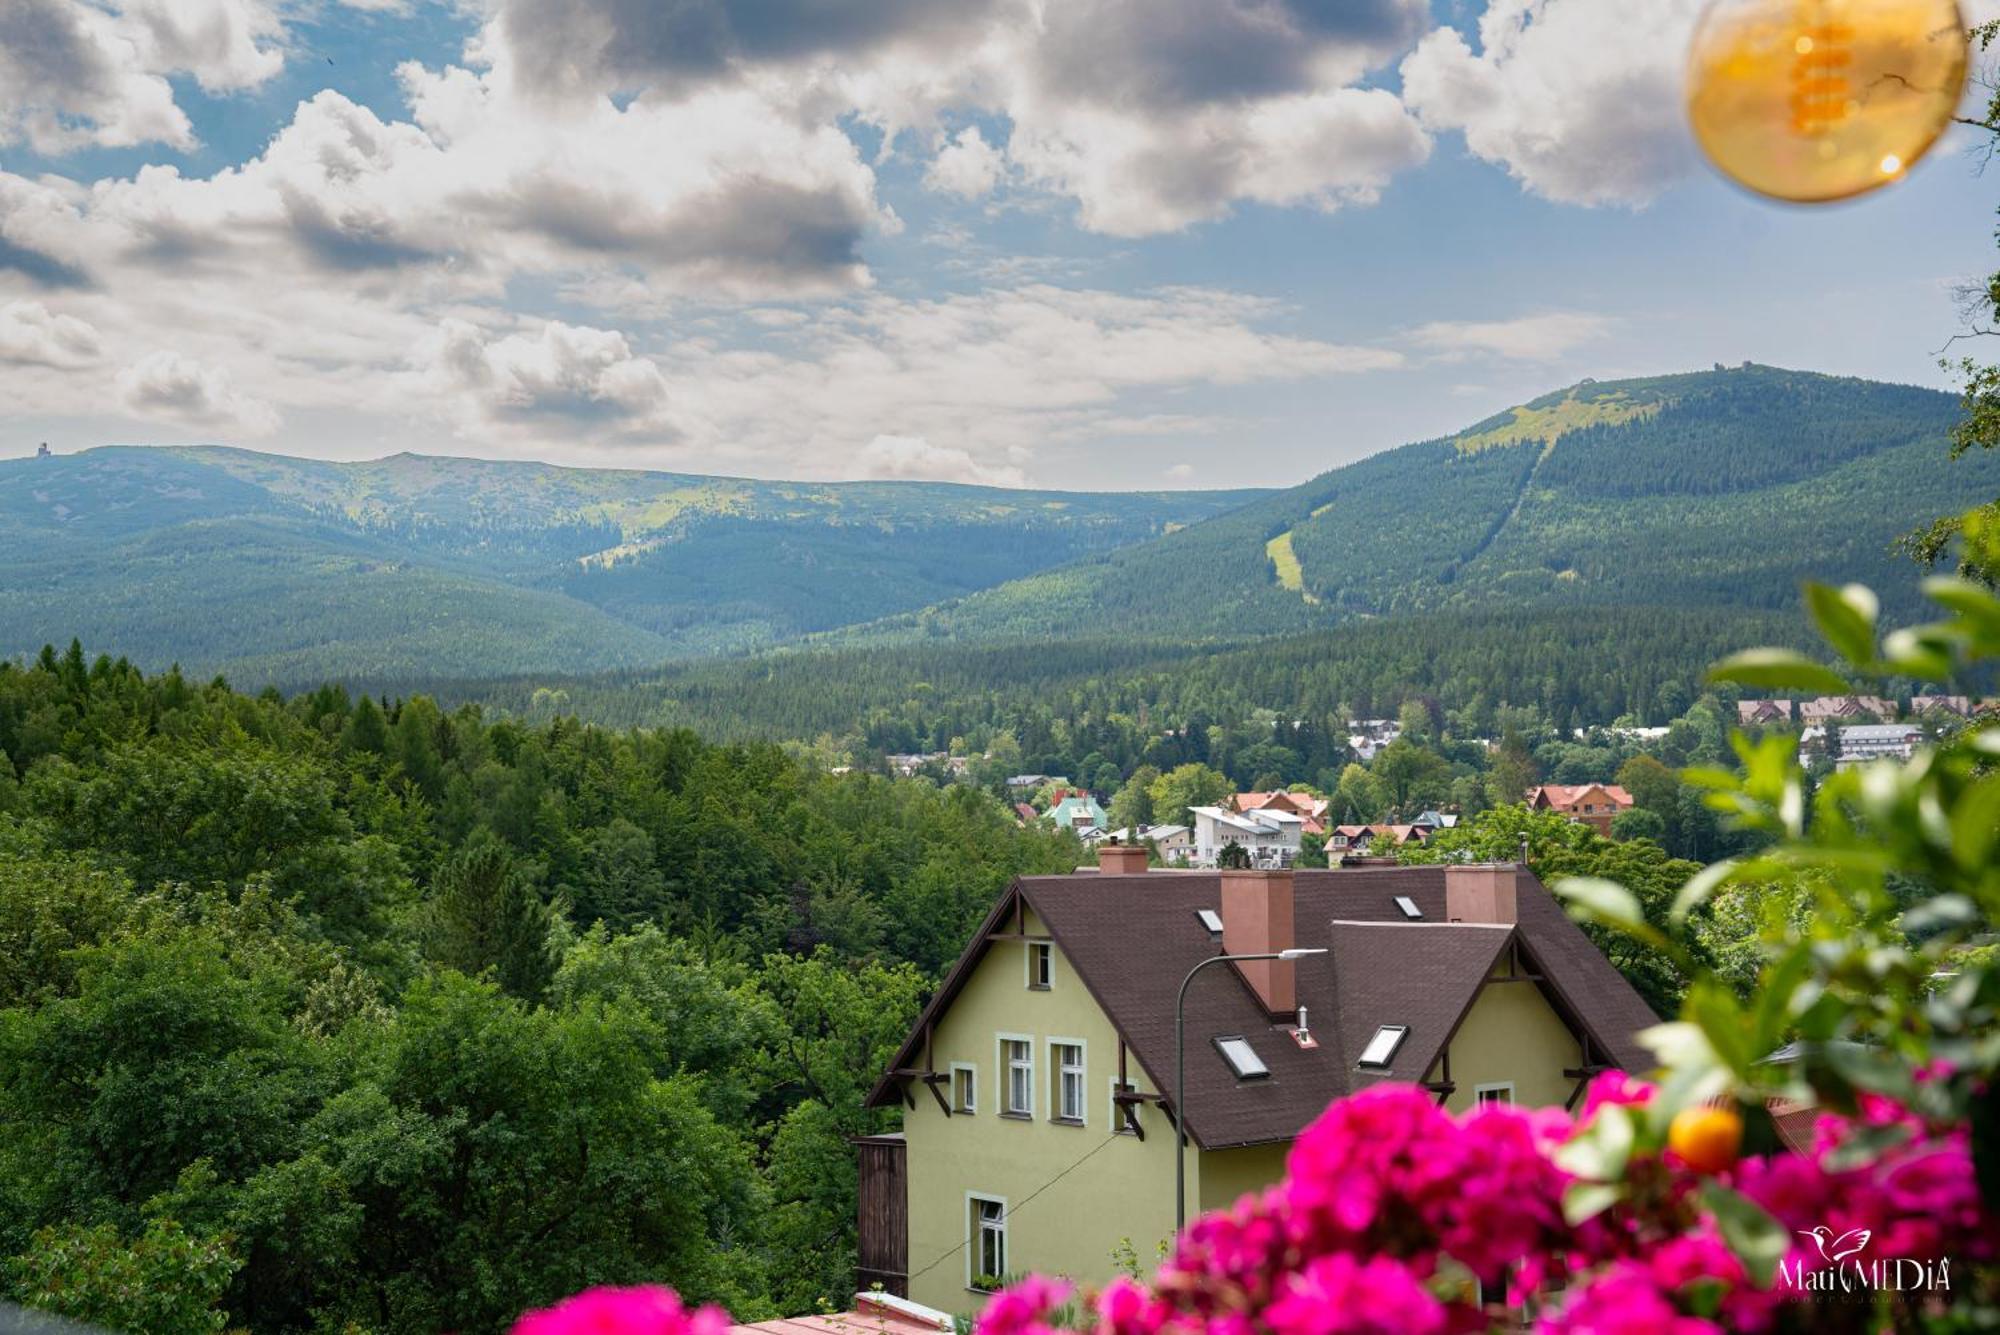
column 1381, row 1049
column 1040, row 968
column 1242, row 1058
column 1409, row 907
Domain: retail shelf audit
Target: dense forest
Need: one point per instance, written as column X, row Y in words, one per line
column 332, row 1017
column 1614, row 493
column 1128, row 698
column 289, row 571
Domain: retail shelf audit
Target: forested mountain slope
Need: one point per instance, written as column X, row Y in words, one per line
column 1720, row 488
column 291, row 570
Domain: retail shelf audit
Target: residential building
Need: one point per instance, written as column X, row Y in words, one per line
column 1037, row 1086
column 1593, row 804
column 1946, row 706
column 1843, row 708
column 1433, row 821
column 1356, row 839
column 1078, row 811
column 1029, row 782
column 1863, row 742
column 1175, row 842
column 1311, row 810
column 1763, row 713
column 1270, row 836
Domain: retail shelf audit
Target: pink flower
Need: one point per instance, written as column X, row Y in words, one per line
column 1623, row 1300
column 644, row 1310
column 1338, row 1295
column 1023, row 1308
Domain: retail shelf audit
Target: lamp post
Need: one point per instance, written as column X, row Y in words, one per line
column 1180, row 1066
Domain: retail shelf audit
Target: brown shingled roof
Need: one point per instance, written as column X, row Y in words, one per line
column 1131, row 939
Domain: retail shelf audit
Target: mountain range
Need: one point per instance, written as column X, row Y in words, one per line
column 1717, row 489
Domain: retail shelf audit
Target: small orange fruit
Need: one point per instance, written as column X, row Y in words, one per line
column 1706, row 1138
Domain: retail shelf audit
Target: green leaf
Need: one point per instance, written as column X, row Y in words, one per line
column 1779, row 670
column 1865, row 1146
column 1975, row 823
column 1758, row 1240
column 1917, row 653
column 1586, row 1200
column 1602, row 901
column 1699, row 887
column 1846, row 617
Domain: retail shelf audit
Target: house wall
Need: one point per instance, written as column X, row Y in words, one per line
column 1511, row 1034
column 1124, row 1191
column 1227, row 1175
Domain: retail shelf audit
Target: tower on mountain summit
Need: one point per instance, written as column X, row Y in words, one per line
column 44, row 452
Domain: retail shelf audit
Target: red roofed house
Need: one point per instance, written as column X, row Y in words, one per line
column 1310, row 809
column 1591, row 804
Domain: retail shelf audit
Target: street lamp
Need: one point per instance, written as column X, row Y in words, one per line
column 1180, row 1066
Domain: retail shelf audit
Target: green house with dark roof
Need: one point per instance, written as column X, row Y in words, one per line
column 1036, row 1087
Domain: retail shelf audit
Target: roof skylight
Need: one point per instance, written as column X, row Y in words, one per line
column 1242, row 1058
column 1381, row 1049
column 1408, row 906
column 1210, row 919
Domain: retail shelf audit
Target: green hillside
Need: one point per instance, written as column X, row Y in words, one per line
column 1720, row 488
column 288, row 571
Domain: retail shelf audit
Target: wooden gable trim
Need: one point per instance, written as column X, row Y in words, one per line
column 889, row 1087
column 1587, row 1035
column 1441, row 1054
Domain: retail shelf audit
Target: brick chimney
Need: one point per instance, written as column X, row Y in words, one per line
column 1257, row 917
column 1480, row 893
column 1121, row 859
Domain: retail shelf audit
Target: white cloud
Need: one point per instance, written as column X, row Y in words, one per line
column 1181, row 473
column 168, row 386
column 912, row 458
column 31, row 333
column 567, row 375
column 1580, row 100
column 967, row 166
column 1533, row 338
column 225, row 44
column 75, row 74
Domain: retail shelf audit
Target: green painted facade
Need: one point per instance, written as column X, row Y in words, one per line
column 1077, row 1195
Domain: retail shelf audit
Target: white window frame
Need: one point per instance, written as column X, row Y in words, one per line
column 1003, row 1064
column 975, row 1229
column 1056, row 1072
column 1118, row 1123
column 1496, row 1087
column 971, row 1070
column 1047, row 950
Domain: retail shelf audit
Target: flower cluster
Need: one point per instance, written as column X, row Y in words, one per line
column 643, row 1310
column 1397, row 1218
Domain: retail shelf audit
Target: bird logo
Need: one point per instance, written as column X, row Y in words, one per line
column 1835, row 1249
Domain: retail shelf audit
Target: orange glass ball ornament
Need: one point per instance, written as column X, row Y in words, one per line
column 1817, row 100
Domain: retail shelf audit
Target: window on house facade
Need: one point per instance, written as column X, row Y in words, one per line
column 964, row 1088
column 1502, row 1092
column 1381, row 1049
column 1069, row 1090
column 1040, row 967
column 1020, row 1056
column 987, row 1256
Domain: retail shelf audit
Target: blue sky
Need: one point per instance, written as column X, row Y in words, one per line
column 1091, row 243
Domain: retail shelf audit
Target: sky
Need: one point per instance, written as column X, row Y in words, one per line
column 1096, row 244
